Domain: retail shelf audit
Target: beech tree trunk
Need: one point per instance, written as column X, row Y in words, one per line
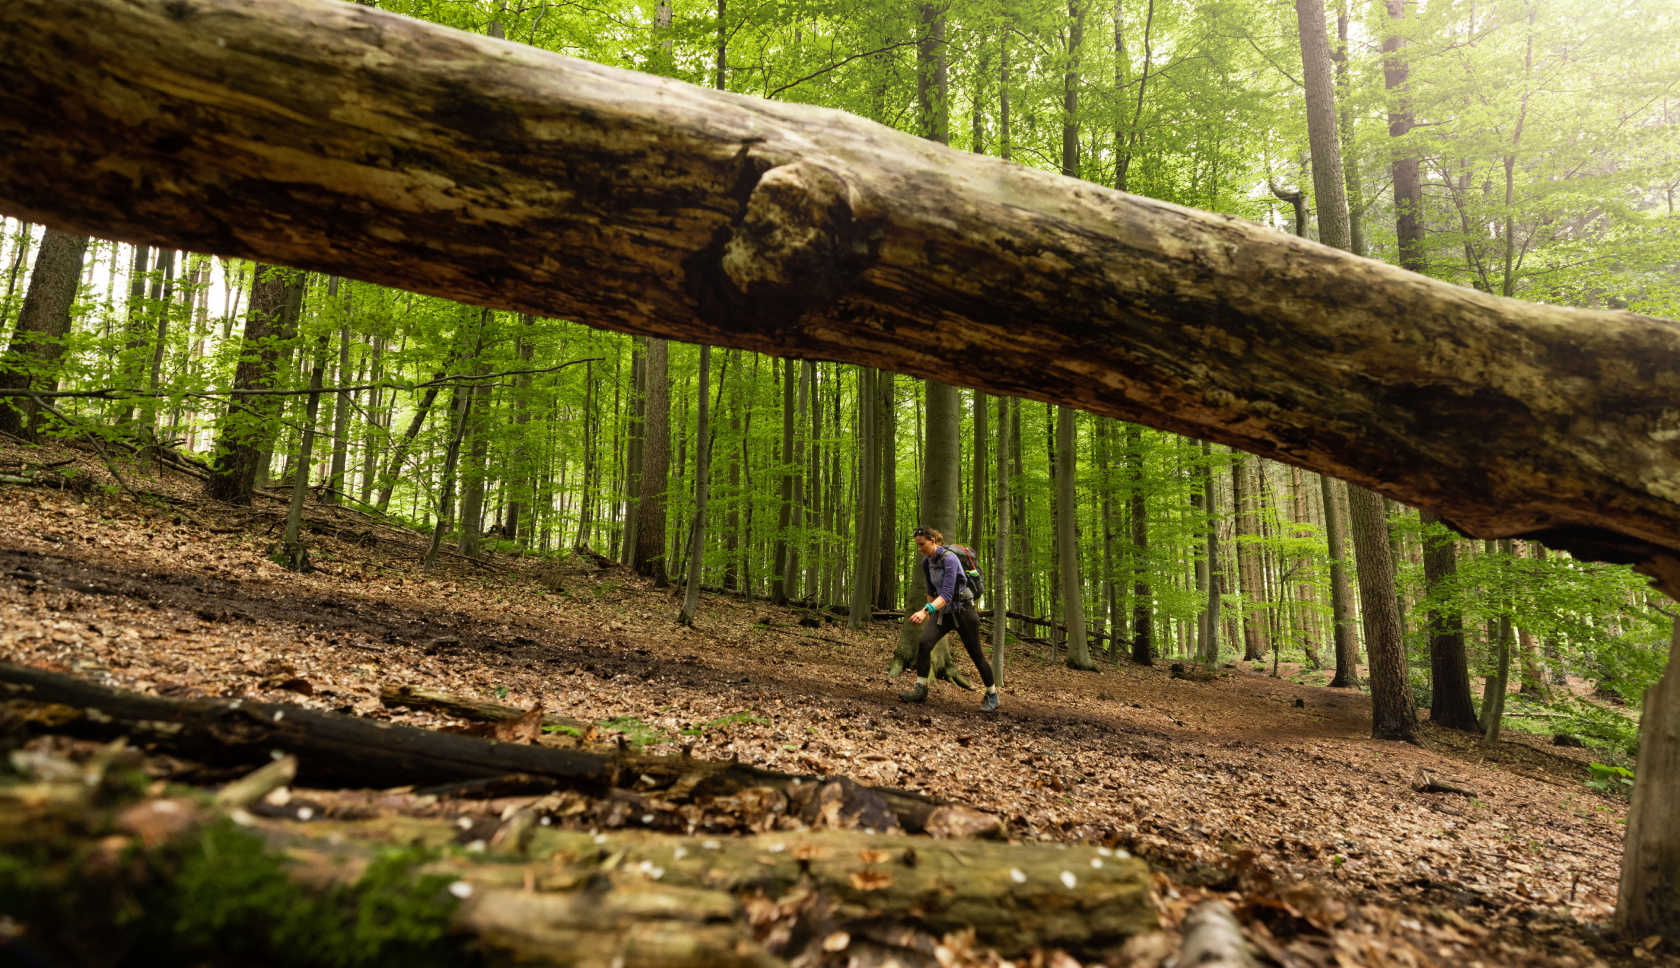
column 1648, row 901
column 866, row 555
column 1245, row 495
column 656, row 463
column 400, row 454
column 1393, row 709
column 1067, row 542
column 42, row 324
column 1007, row 411
column 805, row 231
column 702, row 493
column 247, row 430
column 1143, row 605
column 1341, row 592
column 1450, row 701
column 1216, row 583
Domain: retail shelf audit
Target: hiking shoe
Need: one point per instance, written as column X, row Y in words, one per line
column 990, row 703
column 918, row 694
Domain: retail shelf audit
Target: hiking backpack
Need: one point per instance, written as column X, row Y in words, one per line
column 971, row 568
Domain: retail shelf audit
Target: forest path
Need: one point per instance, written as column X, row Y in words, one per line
column 1200, row 778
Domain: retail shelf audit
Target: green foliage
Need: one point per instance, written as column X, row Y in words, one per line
column 1611, row 779
column 744, row 717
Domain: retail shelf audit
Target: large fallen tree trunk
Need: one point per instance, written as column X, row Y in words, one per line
column 337, row 137
column 527, row 886
column 349, row 751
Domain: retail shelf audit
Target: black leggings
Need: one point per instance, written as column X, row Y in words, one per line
column 965, row 621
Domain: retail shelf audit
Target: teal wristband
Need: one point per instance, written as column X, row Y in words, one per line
column 930, row 609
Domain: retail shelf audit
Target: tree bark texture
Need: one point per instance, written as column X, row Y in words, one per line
column 533, row 889
column 1450, row 701
column 43, row 323
column 702, row 493
column 1143, row 605
column 336, row 750
column 1648, row 901
column 1067, row 540
column 248, row 128
column 656, row 463
column 1341, row 592
column 242, row 444
column 1408, row 181
column 1246, row 496
column 1323, row 134
column 1393, row 710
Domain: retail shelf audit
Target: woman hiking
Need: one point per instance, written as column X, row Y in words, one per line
column 950, row 607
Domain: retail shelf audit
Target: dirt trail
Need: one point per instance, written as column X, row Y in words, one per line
column 1206, row 779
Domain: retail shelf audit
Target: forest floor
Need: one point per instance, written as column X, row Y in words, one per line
column 1261, row 788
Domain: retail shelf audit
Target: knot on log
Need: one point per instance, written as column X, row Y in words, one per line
column 802, row 242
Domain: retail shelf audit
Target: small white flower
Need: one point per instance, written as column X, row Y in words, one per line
column 461, row 889
column 1096, row 862
column 1016, row 875
column 1068, row 880
column 710, row 844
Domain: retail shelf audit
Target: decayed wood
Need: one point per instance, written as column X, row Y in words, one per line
column 346, row 750
column 528, row 892
column 345, row 139
column 1213, row 939
column 464, row 707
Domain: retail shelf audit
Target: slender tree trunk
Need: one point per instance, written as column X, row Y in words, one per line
column 1008, row 411
column 1450, row 703
column 1067, row 542
column 778, row 584
column 521, row 474
column 702, row 480
column 1341, row 592
column 1244, row 497
column 1105, row 467
column 732, row 546
column 866, row 555
column 472, row 478
column 656, row 460
column 1496, row 685
column 979, row 471
column 796, row 487
column 1216, row 579
column 462, row 412
column 399, row 455
column 341, row 419
column 886, row 573
column 1408, row 183
column 163, row 297
column 247, row 429
column 1142, row 602
column 638, row 415
column 292, row 553
column 1393, row 710
column 42, row 325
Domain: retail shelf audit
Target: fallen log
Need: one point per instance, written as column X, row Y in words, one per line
column 350, row 751
column 520, row 887
column 345, row 139
column 463, row 707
